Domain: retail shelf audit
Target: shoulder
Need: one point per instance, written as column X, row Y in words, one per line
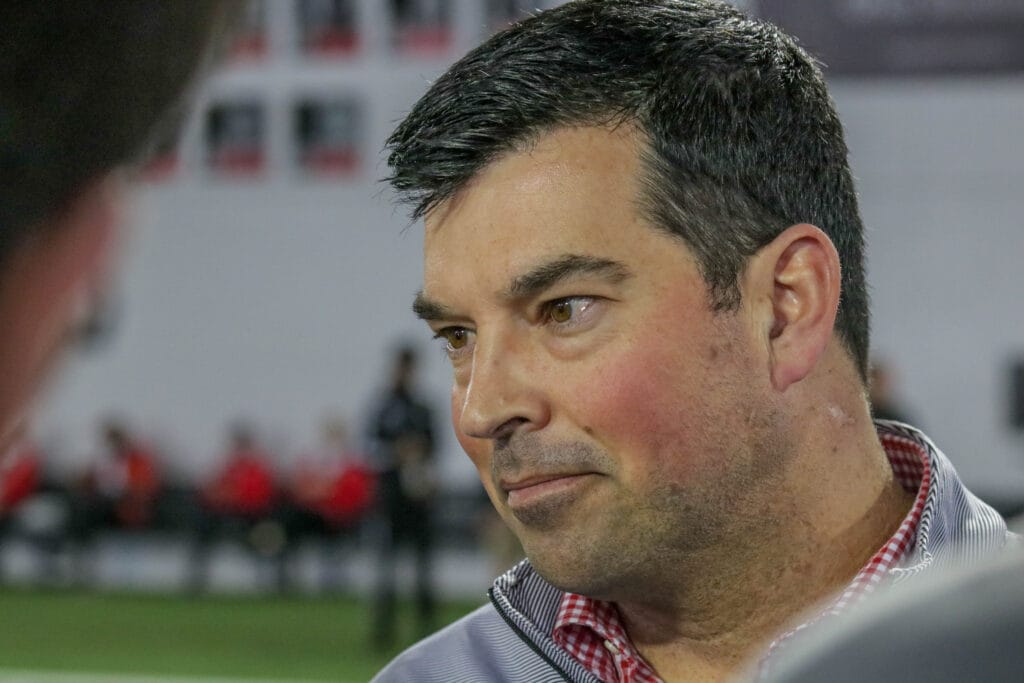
column 458, row 652
column 479, row 647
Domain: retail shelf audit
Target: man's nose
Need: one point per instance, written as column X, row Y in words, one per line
column 506, row 390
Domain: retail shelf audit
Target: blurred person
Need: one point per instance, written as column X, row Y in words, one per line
column 33, row 508
column 240, row 501
column 84, row 89
column 20, row 474
column 402, row 429
column 126, row 482
column 331, row 492
column 19, row 480
column 336, row 483
column 244, row 485
column 644, row 257
column 118, row 492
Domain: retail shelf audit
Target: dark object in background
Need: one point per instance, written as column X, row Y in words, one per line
column 235, row 138
column 402, row 428
column 1017, row 393
column 327, row 133
column 328, row 27
column 886, row 38
column 251, row 37
column 421, row 26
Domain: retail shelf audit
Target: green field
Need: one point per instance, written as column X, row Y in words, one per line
column 255, row 638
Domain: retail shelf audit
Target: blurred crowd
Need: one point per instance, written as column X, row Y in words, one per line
column 248, row 498
column 374, row 490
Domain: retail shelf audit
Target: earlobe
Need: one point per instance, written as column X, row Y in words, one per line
column 804, row 300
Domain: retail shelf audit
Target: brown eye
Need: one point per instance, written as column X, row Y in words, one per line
column 457, row 338
column 561, row 311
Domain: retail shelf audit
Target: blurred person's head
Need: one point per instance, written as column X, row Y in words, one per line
column 85, row 89
column 115, row 436
column 643, row 255
column 403, row 368
column 335, row 432
column 242, row 437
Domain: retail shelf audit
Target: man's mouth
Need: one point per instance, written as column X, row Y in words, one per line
column 548, row 491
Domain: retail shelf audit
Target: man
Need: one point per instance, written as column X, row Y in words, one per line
column 84, row 88
column 643, row 255
column 403, row 430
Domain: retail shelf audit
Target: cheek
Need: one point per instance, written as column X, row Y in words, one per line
column 648, row 409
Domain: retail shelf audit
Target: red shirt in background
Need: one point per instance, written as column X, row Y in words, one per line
column 245, row 486
column 19, row 477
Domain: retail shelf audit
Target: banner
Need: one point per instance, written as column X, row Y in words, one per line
column 904, row 37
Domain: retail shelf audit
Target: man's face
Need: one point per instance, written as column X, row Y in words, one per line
column 614, row 419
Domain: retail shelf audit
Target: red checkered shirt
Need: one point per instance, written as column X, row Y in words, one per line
column 592, row 631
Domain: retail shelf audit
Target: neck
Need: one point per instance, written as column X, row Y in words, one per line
column 840, row 503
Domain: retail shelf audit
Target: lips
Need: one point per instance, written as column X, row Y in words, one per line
column 526, row 482
column 527, row 497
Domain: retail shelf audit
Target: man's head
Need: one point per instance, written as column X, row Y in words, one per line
column 85, row 88
column 622, row 259
column 740, row 139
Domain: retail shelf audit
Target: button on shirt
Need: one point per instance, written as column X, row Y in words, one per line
column 592, row 630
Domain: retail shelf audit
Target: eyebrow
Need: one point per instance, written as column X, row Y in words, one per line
column 429, row 310
column 534, row 282
column 563, row 268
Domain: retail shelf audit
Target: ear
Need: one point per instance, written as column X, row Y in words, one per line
column 797, row 276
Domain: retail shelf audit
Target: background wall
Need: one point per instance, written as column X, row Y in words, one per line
column 277, row 299
column 938, row 165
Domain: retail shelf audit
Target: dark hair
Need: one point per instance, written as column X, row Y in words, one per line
column 86, row 87
column 742, row 139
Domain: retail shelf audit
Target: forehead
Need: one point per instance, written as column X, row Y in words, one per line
column 573, row 191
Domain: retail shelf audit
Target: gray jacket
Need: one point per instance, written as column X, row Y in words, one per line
column 507, row 640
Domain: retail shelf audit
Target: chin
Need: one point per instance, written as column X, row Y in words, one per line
column 572, row 572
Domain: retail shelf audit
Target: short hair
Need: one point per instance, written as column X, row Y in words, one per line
column 741, row 138
column 86, row 87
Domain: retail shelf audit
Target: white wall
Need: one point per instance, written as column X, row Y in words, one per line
column 278, row 300
column 942, row 193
